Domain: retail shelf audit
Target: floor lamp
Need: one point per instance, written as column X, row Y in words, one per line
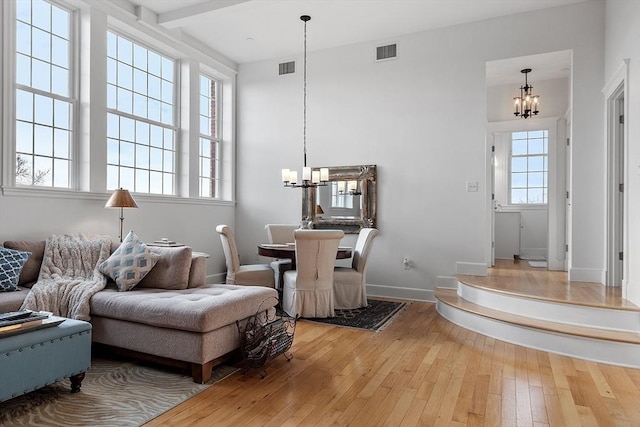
column 121, row 199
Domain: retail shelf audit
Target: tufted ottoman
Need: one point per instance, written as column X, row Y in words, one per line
column 193, row 326
column 37, row 358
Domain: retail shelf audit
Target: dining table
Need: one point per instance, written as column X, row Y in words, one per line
column 288, row 251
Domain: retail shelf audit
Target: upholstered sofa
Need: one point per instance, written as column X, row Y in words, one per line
column 171, row 314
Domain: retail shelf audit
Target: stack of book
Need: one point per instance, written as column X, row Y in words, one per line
column 164, row 242
column 16, row 322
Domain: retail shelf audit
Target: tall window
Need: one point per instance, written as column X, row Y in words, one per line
column 529, row 167
column 209, row 137
column 141, row 128
column 44, row 96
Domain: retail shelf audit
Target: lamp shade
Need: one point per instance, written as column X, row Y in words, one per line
column 121, row 198
column 319, row 210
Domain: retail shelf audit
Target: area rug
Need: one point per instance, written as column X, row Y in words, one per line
column 375, row 317
column 538, row 264
column 114, row 393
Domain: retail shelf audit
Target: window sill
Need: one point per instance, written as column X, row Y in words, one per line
column 58, row 193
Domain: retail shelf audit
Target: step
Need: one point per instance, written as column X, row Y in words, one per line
column 626, row 319
column 597, row 344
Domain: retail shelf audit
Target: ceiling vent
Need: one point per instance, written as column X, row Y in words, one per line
column 384, row 53
column 287, row 68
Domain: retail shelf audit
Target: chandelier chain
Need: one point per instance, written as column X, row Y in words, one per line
column 304, row 97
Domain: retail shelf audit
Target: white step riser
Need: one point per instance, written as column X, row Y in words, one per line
column 615, row 353
column 620, row 320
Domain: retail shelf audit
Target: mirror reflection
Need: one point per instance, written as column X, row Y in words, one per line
column 348, row 202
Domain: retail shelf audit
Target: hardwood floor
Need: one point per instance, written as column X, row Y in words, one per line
column 518, row 277
column 421, row 370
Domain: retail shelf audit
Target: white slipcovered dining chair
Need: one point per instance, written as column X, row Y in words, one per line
column 248, row 274
column 350, row 284
column 280, row 234
column 308, row 290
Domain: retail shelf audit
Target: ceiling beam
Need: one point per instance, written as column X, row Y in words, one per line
column 177, row 18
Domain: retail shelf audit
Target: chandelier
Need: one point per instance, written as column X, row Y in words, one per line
column 526, row 104
column 310, row 178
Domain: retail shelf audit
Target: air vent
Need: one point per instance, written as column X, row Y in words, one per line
column 389, row 51
column 287, row 68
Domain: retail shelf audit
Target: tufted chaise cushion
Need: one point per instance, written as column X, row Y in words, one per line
column 200, row 309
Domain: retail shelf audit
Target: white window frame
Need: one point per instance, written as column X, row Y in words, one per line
column 174, row 127
column 10, row 178
column 214, row 140
column 545, row 188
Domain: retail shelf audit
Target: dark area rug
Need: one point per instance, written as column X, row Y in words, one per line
column 375, row 317
column 114, row 393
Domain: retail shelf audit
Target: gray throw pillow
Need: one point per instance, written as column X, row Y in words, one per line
column 130, row 263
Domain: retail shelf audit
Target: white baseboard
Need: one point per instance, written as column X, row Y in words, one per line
column 533, row 253
column 400, row 293
column 446, row 282
column 593, row 275
column 471, row 268
column 219, row 278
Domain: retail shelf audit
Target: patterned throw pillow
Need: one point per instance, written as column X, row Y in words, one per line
column 128, row 264
column 11, row 263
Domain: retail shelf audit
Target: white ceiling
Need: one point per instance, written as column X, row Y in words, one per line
column 254, row 30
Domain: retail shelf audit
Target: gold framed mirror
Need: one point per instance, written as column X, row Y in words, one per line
column 348, row 201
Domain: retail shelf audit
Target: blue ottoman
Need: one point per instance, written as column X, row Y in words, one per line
column 34, row 359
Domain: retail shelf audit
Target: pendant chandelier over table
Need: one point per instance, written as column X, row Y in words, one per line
column 310, row 178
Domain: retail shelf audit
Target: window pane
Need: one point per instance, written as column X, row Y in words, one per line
column 126, row 154
column 536, row 179
column 23, row 38
column 60, row 25
column 23, row 70
column 60, row 52
column 43, row 139
column 536, row 163
column 24, row 137
column 125, row 51
column 142, row 156
column 60, row 81
column 535, row 196
column 142, row 181
column 41, row 46
column 41, row 75
column 61, row 143
column 24, row 105
column 42, row 167
column 536, row 146
column 127, row 178
column 518, row 196
column 519, row 180
column 60, row 173
column 519, row 164
column 140, row 57
column 113, row 151
column 41, row 14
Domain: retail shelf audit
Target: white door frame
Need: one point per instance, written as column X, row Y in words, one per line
column 557, row 185
column 616, row 103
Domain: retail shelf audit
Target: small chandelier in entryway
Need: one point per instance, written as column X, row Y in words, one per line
column 527, row 103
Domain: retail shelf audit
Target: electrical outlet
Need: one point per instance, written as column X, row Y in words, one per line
column 472, row 186
column 405, row 263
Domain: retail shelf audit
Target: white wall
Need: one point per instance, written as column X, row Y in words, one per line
column 623, row 42
column 414, row 119
column 554, row 99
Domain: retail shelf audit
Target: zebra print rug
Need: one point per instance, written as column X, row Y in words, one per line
column 114, row 393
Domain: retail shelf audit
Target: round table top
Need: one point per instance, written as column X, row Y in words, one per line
column 282, row 250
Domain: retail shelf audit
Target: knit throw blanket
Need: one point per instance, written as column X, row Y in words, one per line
column 69, row 275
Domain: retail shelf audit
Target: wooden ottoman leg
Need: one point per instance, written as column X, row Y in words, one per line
column 76, row 381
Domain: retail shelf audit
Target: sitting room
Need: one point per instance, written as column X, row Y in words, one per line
column 455, row 183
